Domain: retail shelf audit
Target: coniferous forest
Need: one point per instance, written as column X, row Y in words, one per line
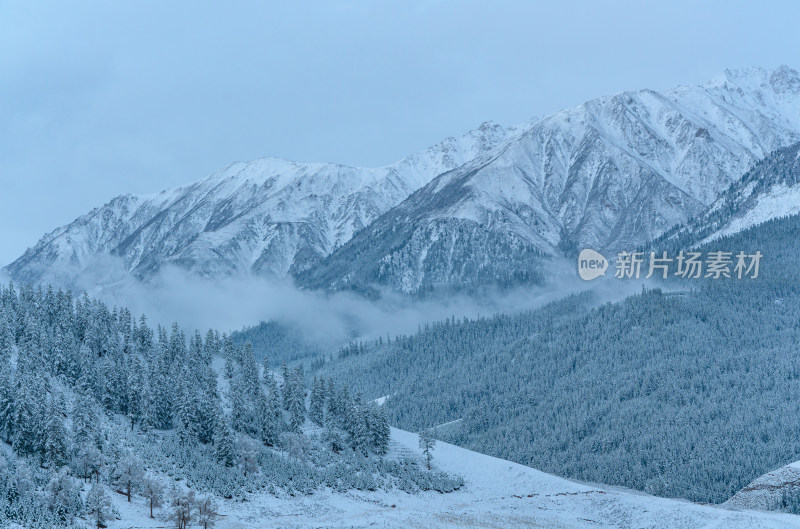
column 91, row 397
column 688, row 390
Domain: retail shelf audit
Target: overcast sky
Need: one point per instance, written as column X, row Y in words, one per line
column 103, row 98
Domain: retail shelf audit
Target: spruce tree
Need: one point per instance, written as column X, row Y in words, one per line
column 317, row 402
column 427, row 442
column 55, row 447
column 224, row 441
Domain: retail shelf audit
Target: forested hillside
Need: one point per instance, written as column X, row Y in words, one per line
column 692, row 391
column 94, row 402
column 280, row 342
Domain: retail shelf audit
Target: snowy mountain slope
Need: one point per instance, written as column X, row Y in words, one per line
column 768, row 491
column 497, row 494
column 267, row 217
column 610, row 174
column 771, row 189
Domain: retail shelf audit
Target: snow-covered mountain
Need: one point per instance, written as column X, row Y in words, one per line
column 771, row 189
column 610, row 174
column 269, row 217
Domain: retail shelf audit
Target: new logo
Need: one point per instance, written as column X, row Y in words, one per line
column 591, row 265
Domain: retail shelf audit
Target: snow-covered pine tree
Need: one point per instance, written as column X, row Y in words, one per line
column 358, row 434
column 29, row 416
column 427, row 442
column 317, row 403
column 297, row 398
column 7, row 395
column 228, row 354
column 265, row 369
column 55, row 435
column 379, row 428
column 224, row 440
column 274, row 416
column 286, row 387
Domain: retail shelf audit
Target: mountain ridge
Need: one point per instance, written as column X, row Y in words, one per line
column 484, row 208
column 264, row 217
column 610, row 174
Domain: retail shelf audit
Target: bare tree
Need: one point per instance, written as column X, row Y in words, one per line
column 207, row 512
column 99, row 506
column 128, row 474
column 183, row 507
column 153, row 492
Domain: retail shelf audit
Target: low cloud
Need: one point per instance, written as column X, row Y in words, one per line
column 330, row 319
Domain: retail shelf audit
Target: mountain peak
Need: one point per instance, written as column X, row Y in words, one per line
column 782, row 79
column 614, row 172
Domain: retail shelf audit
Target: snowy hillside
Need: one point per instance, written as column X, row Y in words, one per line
column 497, row 494
column 612, row 174
column 268, row 217
column 769, row 190
column 771, row 490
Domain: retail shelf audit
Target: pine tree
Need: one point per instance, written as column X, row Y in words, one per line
column 29, row 423
column 249, row 370
column 228, row 353
column 332, row 403
column 55, row 447
column 285, row 385
column 379, row 429
column 317, row 403
column 137, row 397
column 7, row 394
column 85, row 422
column 427, row 442
column 224, row 441
column 265, row 369
column 296, row 404
column 240, row 411
column 186, row 413
column 357, row 429
column 273, row 422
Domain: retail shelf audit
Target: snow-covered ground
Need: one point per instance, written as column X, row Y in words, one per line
column 497, row 494
column 766, row 491
column 780, row 201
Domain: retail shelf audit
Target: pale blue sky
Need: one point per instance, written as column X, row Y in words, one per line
column 102, row 98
